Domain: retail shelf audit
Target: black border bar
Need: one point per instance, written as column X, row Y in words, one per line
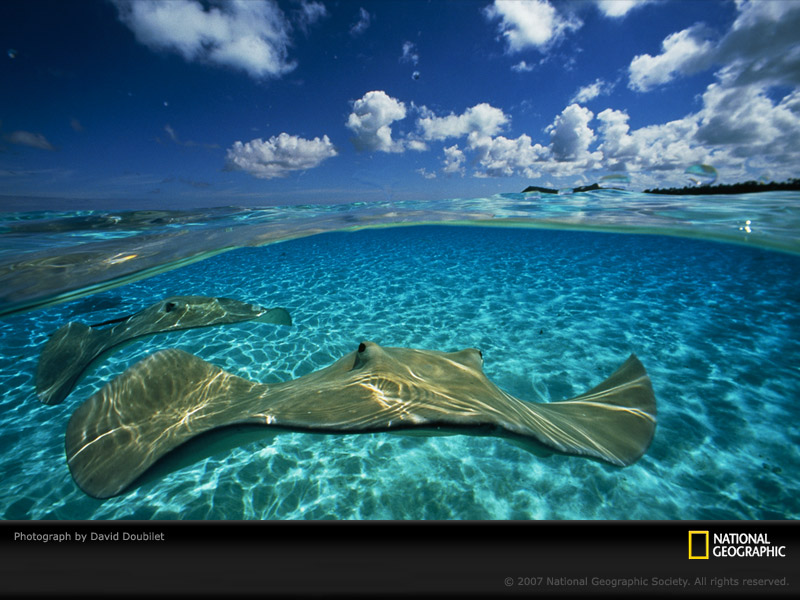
column 494, row 558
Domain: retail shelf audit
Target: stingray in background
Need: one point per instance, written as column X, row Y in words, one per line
column 73, row 348
column 172, row 396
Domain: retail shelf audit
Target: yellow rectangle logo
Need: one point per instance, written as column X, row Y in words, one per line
column 698, row 545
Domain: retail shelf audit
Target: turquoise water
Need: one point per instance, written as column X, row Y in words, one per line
column 554, row 312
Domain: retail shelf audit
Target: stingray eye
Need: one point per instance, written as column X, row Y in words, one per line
column 361, row 347
column 481, row 353
column 169, row 306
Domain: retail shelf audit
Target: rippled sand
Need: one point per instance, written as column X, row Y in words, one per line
column 716, row 326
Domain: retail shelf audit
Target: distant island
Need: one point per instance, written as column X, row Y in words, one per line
column 544, row 190
column 541, row 190
column 746, row 187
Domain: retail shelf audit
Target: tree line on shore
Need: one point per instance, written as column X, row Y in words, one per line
column 744, row 187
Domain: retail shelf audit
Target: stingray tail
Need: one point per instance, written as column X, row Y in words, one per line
column 614, row 421
column 153, row 407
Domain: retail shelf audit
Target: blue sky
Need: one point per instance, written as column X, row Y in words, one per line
column 186, row 103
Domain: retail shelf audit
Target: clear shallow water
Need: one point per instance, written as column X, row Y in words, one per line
column 554, row 312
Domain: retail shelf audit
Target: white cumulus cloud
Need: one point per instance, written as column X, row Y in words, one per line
column 371, row 121
column 748, row 120
column 453, row 160
column 503, row 157
column 250, row 35
column 481, row 118
column 496, row 155
column 735, row 130
column 618, row 147
column 592, row 91
column 279, row 155
column 500, row 156
column 530, row 23
column 760, row 47
column 570, row 133
column 619, row 8
column 749, row 123
column 682, row 52
column 665, row 147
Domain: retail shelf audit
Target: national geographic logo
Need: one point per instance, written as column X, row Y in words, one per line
column 733, row 545
column 698, row 544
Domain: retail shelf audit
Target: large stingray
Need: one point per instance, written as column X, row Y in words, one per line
column 171, row 396
column 73, row 348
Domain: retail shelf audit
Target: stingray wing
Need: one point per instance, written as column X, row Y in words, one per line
column 64, row 359
column 614, row 421
column 153, row 407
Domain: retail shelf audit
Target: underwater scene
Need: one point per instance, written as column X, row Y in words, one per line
column 410, row 260
column 555, row 291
